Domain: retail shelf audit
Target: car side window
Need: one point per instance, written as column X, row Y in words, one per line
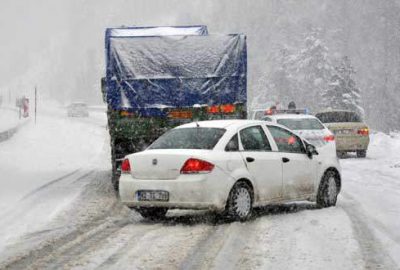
column 233, row 144
column 254, row 139
column 267, row 119
column 286, row 141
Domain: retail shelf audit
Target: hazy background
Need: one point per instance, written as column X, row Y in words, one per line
column 58, row 45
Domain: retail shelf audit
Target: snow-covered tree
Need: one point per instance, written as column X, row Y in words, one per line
column 312, row 69
column 342, row 92
column 301, row 76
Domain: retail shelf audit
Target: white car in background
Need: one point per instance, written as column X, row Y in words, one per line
column 228, row 166
column 78, row 109
column 308, row 127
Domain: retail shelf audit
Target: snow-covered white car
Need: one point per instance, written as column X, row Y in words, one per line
column 308, row 127
column 227, row 166
column 77, row 109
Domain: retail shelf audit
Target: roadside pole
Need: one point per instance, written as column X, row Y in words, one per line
column 35, row 103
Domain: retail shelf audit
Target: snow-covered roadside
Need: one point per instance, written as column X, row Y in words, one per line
column 10, row 122
column 8, row 119
column 371, row 187
column 56, row 149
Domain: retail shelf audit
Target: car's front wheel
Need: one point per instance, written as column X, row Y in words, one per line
column 328, row 190
column 240, row 202
column 153, row 213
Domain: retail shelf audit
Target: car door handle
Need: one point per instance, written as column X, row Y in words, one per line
column 250, row 159
column 285, row 159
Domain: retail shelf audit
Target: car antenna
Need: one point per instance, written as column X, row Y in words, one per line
column 197, row 124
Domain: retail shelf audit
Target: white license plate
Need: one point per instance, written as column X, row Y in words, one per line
column 344, row 131
column 152, row 195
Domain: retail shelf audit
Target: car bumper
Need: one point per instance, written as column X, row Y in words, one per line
column 202, row 191
column 352, row 143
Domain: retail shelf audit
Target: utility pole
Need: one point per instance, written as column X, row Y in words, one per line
column 35, row 103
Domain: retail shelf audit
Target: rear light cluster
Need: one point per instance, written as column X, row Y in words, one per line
column 329, row 138
column 125, row 166
column 226, row 108
column 196, row 166
column 363, row 132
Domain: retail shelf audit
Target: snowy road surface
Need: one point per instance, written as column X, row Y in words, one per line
column 58, row 211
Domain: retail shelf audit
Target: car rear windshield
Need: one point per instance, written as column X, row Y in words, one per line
column 189, row 138
column 338, row 117
column 301, row 124
column 258, row 115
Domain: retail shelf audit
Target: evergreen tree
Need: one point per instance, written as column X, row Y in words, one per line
column 342, row 92
column 312, row 69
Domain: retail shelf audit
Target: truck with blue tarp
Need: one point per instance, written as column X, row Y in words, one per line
column 161, row 77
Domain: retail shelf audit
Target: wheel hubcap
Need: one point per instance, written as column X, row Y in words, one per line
column 242, row 202
column 332, row 190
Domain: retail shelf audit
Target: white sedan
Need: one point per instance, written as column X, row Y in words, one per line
column 308, row 127
column 228, row 166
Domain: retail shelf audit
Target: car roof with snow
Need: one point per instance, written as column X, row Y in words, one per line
column 291, row 116
column 222, row 123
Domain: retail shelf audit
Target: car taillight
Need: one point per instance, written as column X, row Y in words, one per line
column 363, row 132
column 193, row 165
column 329, row 138
column 126, row 166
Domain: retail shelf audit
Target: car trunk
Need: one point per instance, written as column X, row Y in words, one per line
column 161, row 164
column 315, row 137
column 346, row 129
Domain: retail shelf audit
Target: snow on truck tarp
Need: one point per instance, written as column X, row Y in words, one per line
column 157, row 31
column 176, row 71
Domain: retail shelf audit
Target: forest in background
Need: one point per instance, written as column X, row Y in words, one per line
column 60, row 47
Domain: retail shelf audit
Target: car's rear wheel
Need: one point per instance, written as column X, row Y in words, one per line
column 153, row 213
column 240, row 202
column 328, row 190
column 361, row 153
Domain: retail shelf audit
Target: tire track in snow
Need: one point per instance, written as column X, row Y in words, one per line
column 32, row 257
column 221, row 248
column 373, row 252
column 46, row 241
column 52, row 182
column 114, row 251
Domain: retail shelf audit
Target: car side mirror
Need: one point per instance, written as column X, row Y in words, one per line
column 311, row 150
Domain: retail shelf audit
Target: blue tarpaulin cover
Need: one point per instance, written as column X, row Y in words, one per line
column 149, row 68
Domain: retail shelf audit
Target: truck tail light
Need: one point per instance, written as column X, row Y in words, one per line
column 363, row 132
column 194, row 166
column 329, row 138
column 225, row 108
column 126, row 166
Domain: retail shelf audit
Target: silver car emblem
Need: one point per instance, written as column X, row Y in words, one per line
column 155, row 161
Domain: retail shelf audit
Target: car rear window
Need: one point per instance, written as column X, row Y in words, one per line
column 258, row 115
column 189, row 138
column 338, row 117
column 301, row 124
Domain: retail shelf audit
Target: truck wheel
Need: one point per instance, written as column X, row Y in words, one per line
column 328, row 190
column 240, row 202
column 115, row 181
column 152, row 213
column 340, row 154
column 361, row 153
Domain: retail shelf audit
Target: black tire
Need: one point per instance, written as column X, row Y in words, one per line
column 115, row 174
column 152, row 213
column 239, row 206
column 361, row 153
column 328, row 190
column 115, row 180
